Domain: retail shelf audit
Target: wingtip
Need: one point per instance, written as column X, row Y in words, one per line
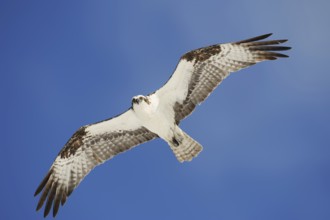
column 43, row 182
column 275, row 56
column 46, row 212
column 281, row 55
column 254, row 39
column 38, row 207
column 282, row 40
column 39, row 189
column 55, row 213
column 268, row 35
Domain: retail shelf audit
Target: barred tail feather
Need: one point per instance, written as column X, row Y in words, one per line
column 184, row 147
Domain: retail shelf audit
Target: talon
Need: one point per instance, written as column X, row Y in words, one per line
column 175, row 142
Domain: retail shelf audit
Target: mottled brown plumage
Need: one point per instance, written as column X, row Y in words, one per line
column 75, row 142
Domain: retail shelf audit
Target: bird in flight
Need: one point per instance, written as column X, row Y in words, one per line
column 156, row 115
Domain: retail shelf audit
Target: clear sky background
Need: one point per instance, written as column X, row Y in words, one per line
column 265, row 130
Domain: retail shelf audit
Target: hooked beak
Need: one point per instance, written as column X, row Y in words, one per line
column 135, row 101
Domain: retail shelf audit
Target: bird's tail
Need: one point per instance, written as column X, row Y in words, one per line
column 183, row 146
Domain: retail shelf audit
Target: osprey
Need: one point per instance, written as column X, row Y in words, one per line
column 156, row 115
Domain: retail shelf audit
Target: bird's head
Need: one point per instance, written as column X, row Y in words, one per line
column 136, row 100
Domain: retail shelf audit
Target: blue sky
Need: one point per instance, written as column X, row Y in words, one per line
column 265, row 130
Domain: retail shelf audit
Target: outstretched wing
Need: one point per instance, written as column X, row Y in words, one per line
column 200, row 71
column 90, row 146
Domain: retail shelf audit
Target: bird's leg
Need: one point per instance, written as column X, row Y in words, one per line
column 177, row 136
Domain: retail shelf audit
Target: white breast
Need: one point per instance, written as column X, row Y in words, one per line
column 153, row 118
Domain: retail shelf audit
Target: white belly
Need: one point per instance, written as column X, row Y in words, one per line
column 154, row 119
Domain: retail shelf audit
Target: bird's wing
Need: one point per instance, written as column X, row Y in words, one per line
column 90, row 146
column 200, row 71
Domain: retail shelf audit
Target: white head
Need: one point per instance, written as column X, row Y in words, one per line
column 136, row 100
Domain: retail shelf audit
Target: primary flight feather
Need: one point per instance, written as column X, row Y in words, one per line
column 197, row 74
